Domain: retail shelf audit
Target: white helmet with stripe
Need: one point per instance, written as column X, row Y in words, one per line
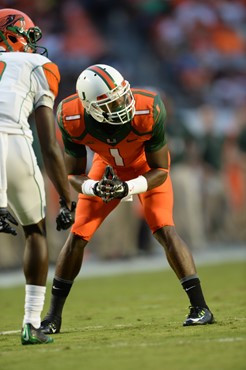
column 106, row 95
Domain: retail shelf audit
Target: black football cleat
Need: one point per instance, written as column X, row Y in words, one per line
column 31, row 335
column 51, row 324
column 199, row 316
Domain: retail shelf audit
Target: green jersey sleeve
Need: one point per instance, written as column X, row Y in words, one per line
column 71, row 148
column 158, row 139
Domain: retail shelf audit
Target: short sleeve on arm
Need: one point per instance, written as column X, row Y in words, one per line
column 71, row 148
column 158, row 139
column 46, row 79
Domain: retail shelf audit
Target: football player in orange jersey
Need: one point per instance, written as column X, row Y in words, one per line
column 29, row 83
column 126, row 129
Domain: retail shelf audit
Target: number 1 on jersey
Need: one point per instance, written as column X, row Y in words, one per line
column 117, row 157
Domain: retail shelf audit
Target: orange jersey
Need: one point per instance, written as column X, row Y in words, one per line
column 125, row 145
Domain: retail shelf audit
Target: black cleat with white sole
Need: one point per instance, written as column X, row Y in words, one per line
column 199, row 316
column 51, row 324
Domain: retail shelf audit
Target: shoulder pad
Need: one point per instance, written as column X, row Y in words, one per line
column 52, row 75
column 143, row 120
column 71, row 113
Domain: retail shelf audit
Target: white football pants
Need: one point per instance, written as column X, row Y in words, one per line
column 25, row 184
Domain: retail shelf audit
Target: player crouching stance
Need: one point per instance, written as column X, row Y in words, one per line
column 126, row 129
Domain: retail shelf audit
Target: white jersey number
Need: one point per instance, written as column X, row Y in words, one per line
column 117, row 157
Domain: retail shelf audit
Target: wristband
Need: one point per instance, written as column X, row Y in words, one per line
column 137, row 185
column 88, row 187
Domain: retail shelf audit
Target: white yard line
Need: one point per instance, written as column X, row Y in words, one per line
column 9, row 332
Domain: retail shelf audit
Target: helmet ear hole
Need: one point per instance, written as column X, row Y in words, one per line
column 13, row 39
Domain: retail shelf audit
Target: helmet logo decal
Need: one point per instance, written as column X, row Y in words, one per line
column 9, row 20
column 105, row 76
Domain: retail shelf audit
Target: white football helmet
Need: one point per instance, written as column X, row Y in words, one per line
column 106, row 95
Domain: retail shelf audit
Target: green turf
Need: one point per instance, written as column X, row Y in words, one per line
column 133, row 322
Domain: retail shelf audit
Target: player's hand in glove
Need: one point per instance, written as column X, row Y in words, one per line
column 5, row 218
column 65, row 218
column 110, row 186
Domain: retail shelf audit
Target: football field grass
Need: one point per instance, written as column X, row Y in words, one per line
column 134, row 322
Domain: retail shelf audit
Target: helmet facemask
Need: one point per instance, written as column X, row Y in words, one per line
column 117, row 107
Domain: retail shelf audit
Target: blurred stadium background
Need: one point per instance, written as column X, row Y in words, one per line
column 194, row 53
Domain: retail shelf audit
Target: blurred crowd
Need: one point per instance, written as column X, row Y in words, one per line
column 194, row 53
